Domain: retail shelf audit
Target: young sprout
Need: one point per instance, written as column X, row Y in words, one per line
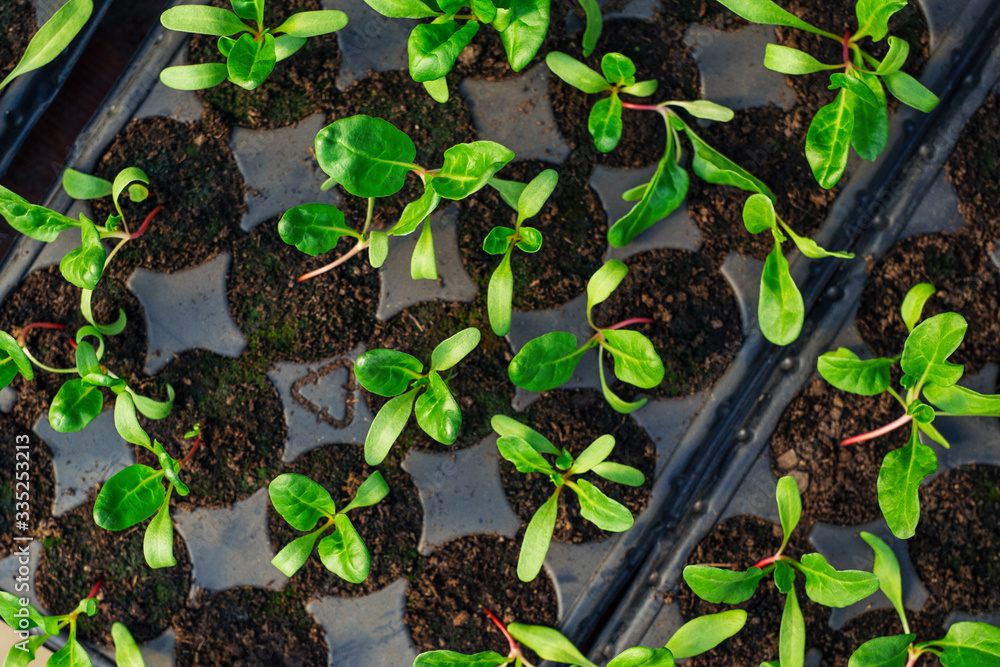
column 401, row 376
column 22, row 617
column 302, row 502
column 370, row 158
column 527, row 200
column 52, row 38
column 693, row 638
column 780, row 311
column 859, row 116
column 136, row 493
column 548, row 361
column 524, row 446
column 823, row 584
column 434, row 46
column 80, row 400
column 251, row 57
column 966, row 644
column 926, row 372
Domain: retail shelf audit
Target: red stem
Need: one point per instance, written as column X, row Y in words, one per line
column 145, row 223
column 641, row 107
column 97, row 587
column 514, row 648
column 634, row 320
column 194, row 447
column 847, row 48
column 767, row 561
column 36, row 325
column 877, row 432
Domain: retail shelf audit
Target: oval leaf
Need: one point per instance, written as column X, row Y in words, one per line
column 545, row 362
column 387, row 372
column 536, row 540
column 437, row 411
column 344, row 553
column 129, row 497
column 314, row 228
column 301, row 501
column 367, row 156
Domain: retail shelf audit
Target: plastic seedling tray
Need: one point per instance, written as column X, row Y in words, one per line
column 607, row 592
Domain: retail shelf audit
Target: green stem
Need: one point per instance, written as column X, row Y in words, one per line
column 368, row 216
column 36, row 362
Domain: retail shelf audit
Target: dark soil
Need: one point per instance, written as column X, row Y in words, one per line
column 40, row 481
column 45, row 296
column 78, row 553
column 737, row 543
column 250, row 626
column 658, row 50
column 840, row 482
column 573, row 419
column 390, row 529
column 967, row 283
column 479, row 382
column 574, row 226
column 697, row 329
column 17, row 27
column 193, row 175
column 286, row 320
column 974, row 169
column 956, row 550
column 444, row 600
column 839, row 645
column 242, row 420
column 298, row 86
column 433, row 127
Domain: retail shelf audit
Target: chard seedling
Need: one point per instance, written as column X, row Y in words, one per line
column 401, row 376
column 370, row 158
column 302, row 502
column 823, row 584
column 548, row 361
column 859, row 116
column 780, row 312
column 527, row 200
column 524, row 447
column 966, row 644
column 52, row 38
column 22, row 617
column 780, row 309
column 80, row 400
column 251, row 57
column 136, row 493
column 926, row 371
column 434, row 46
column 693, row 638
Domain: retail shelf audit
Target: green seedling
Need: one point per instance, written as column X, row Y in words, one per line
column 527, row 200
column 823, row 584
column 302, row 502
column 859, row 116
column 926, row 371
column 524, row 447
column 965, row 645
column 22, row 617
column 251, row 57
column 434, row 46
column 370, row 158
column 80, row 400
column 137, row 493
column 781, row 311
column 401, row 377
column 52, row 38
column 693, row 638
column 548, row 361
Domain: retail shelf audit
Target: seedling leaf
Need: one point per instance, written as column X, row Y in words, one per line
column 789, row 507
column 301, row 501
column 716, row 585
column 314, row 228
column 131, row 496
column 434, row 47
column 705, row 633
column 600, row 510
column 452, row 350
column 367, row 156
column 468, row 167
column 887, row 570
column 536, row 539
column 780, row 312
column 792, row 637
column 387, row 425
column 344, row 553
column 835, row 588
column 928, row 347
column 387, row 372
column 636, row 361
column 504, row 425
column 829, row 139
column 845, row 371
column 437, row 411
column 882, row 652
column 75, row 405
column 575, row 73
column 548, row 643
column 158, row 542
column 545, row 362
column 899, row 479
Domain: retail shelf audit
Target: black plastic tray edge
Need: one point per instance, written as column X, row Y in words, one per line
column 30, row 95
column 741, row 440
